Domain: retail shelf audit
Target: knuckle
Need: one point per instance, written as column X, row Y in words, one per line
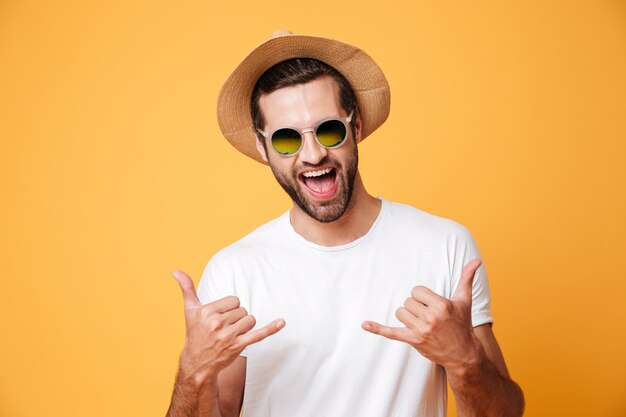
column 222, row 338
column 430, row 320
column 246, row 324
column 411, row 338
column 267, row 331
column 234, row 348
column 438, row 306
column 216, row 322
column 445, row 306
column 227, row 337
column 240, row 313
column 206, row 312
column 416, row 339
column 417, row 290
column 232, row 299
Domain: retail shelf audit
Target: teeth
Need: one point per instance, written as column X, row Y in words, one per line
column 317, row 173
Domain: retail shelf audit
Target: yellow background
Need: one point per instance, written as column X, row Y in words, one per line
column 508, row 117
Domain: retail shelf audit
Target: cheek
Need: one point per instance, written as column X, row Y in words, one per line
column 281, row 167
column 347, row 154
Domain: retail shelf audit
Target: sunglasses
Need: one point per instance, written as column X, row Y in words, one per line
column 330, row 133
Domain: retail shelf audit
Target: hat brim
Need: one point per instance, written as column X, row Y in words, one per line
column 364, row 75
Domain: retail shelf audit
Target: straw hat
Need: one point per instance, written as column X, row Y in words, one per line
column 365, row 77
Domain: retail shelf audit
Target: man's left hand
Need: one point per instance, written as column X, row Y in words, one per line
column 440, row 329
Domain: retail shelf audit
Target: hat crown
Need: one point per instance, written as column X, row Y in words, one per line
column 281, row 32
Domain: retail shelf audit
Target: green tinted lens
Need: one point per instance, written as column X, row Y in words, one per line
column 286, row 141
column 331, row 133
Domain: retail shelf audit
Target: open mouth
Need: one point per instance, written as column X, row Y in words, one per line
column 321, row 183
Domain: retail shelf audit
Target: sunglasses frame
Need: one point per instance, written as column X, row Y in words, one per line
column 345, row 120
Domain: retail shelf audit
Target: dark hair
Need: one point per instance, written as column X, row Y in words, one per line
column 298, row 71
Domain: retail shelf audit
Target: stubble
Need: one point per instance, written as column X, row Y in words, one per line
column 322, row 211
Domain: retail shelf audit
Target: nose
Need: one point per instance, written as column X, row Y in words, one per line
column 312, row 152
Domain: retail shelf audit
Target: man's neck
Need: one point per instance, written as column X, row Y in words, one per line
column 356, row 221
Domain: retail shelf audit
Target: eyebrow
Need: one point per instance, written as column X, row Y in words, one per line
column 281, row 126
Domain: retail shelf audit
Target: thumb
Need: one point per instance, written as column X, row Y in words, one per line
column 464, row 289
column 189, row 291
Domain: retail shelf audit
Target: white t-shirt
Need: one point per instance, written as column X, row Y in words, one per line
column 323, row 363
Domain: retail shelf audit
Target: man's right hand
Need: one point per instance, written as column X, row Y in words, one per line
column 216, row 332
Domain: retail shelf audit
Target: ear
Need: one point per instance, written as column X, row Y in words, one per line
column 260, row 148
column 358, row 125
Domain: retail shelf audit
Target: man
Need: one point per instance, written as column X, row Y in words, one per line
column 366, row 307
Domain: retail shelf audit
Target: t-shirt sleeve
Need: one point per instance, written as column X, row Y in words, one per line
column 465, row 249
column 216, row 284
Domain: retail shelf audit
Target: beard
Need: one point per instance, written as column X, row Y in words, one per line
column 323, row 211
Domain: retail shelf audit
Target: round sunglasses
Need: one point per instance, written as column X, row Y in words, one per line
column 331, row 133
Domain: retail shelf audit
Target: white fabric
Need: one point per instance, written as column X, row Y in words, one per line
column 323, row 363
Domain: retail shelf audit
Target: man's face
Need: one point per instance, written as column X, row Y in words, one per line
column 324, row 197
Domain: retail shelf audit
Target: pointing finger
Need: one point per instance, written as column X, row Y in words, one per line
column 395, row 333
column 464, row 289
column 186, row 285
column 260, row 334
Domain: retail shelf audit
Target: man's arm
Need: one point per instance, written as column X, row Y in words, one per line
column 212, row 373
column 194, row 399
column 441, row 330
column 486, row 389
column 222, row 398
column 230, row 385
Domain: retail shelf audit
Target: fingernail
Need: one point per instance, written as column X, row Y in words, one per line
column 280, row 323
column 366, row 326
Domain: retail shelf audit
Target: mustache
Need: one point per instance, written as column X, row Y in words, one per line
column 327, row 160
